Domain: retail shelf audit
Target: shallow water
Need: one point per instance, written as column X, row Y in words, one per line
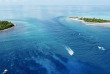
column 37, row 45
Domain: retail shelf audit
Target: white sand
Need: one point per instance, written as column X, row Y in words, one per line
column 90, row 23
column 8, row 28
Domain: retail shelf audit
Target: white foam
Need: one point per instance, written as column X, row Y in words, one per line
column 70, row 51
column 101, row 48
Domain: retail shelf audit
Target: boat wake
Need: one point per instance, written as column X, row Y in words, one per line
column 70, row 51
column 101, row 48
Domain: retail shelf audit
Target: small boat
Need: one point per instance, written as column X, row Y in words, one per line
column 101, row 48
column 5, row 71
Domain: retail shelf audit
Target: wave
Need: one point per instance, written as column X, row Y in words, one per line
column 101, row 48
column 70, row 51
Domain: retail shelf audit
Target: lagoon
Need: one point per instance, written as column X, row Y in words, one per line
column 43, row 36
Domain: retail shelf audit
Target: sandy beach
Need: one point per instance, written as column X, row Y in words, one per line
column 92, row 23
column 8, row 28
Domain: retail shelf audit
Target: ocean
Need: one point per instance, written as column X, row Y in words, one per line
column 45, row 41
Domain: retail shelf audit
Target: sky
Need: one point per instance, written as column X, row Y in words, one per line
column 54, row 2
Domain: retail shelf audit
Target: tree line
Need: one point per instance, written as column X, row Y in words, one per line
column 94, row 20
column 5, row 25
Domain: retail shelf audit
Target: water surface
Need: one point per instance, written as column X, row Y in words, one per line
column 39, row 42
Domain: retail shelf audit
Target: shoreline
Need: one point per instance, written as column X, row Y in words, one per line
column 92, row 23
column 8, row 28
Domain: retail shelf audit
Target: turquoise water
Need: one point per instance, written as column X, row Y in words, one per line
column 38, row 44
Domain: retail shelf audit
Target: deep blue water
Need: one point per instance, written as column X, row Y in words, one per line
column 37, row 45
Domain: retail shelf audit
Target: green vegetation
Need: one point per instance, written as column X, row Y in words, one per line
column 5, row 25
column 94, row 20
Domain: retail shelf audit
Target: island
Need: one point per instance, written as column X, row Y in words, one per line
column 92, row 21
column 5, row 25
